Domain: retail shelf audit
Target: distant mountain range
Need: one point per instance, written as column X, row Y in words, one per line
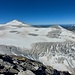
column 66, row 26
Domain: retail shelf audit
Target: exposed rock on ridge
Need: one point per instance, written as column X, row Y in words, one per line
column 17, row 65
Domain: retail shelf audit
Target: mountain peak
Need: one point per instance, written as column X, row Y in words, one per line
column 56, row 26
column 14, row 22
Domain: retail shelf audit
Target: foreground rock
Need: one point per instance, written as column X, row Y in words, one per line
column 17, row 65
column 27, row 72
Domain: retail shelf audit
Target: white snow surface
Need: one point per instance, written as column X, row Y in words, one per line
column 25, row 37
column 16, row 22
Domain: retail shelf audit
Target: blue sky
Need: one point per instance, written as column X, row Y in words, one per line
column 38, row 11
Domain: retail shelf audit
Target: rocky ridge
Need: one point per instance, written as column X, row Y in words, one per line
column 18, row 65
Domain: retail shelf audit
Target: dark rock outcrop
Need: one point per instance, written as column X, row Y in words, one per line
column 17, row 65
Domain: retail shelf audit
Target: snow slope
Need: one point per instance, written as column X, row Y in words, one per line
column 16, row 23
column 48, row 45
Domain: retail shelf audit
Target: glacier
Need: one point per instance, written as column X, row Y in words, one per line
column 54, row 46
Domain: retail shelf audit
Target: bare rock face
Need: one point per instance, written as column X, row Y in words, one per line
column 54, row 34
column 17, row 65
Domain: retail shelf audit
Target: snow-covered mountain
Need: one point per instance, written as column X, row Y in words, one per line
column 54, row 46
column 16, row 23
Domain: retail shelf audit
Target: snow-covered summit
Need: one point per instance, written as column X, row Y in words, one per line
column 57, row 26
column 16, row 22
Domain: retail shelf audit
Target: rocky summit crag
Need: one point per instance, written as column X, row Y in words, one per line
column 18, row 65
